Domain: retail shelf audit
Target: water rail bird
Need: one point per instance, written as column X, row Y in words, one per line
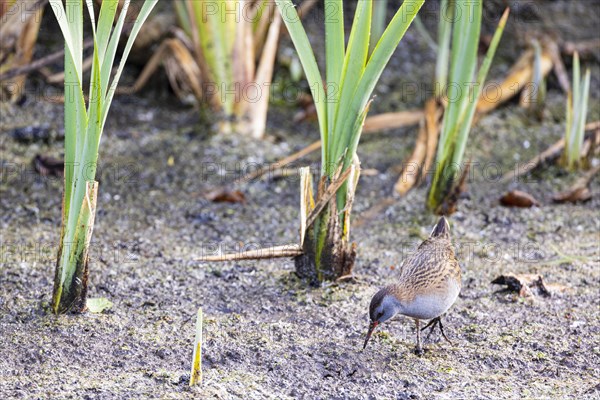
column 428, row 285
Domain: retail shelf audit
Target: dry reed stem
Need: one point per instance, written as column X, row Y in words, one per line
column 412, row 168
column 288, row 250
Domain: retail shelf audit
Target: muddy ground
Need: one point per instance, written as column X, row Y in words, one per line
column 266, row 334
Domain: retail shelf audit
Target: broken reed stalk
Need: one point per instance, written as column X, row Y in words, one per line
column 420, row 161
column 338, row 254
column 412, row 168
column 458, row 118
column 83, row 130
column 290, row 250
column 196, row 373
column 392, row 120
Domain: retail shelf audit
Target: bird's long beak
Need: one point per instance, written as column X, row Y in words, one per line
column 372, row 327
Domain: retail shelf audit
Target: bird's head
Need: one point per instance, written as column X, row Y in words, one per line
column 441, row 229
column 384, row 305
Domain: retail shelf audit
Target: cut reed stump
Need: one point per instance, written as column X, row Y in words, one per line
column 329, row 258
column 327, row 253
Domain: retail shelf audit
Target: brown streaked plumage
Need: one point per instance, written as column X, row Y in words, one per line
column 428, row 285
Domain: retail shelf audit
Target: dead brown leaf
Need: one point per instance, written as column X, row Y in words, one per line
column 223, row 195
column 579, row 194
column 518, row 198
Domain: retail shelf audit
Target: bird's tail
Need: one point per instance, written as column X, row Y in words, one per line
column 441, row 229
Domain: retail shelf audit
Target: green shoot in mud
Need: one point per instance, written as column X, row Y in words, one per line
column 83, row 130
column 227, row 35
column 342, row 104
column 196, row 372
column 462, row 96
column 577, row 104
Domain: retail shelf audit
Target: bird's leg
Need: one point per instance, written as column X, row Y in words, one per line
column 431, row 324
column 419, row 349
column 442, row 330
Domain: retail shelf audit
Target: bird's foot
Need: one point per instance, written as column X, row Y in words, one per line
column 433, row 323
column 444, row 335
column 419, row 351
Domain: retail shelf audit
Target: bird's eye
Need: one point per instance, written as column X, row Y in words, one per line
column 380, row 315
